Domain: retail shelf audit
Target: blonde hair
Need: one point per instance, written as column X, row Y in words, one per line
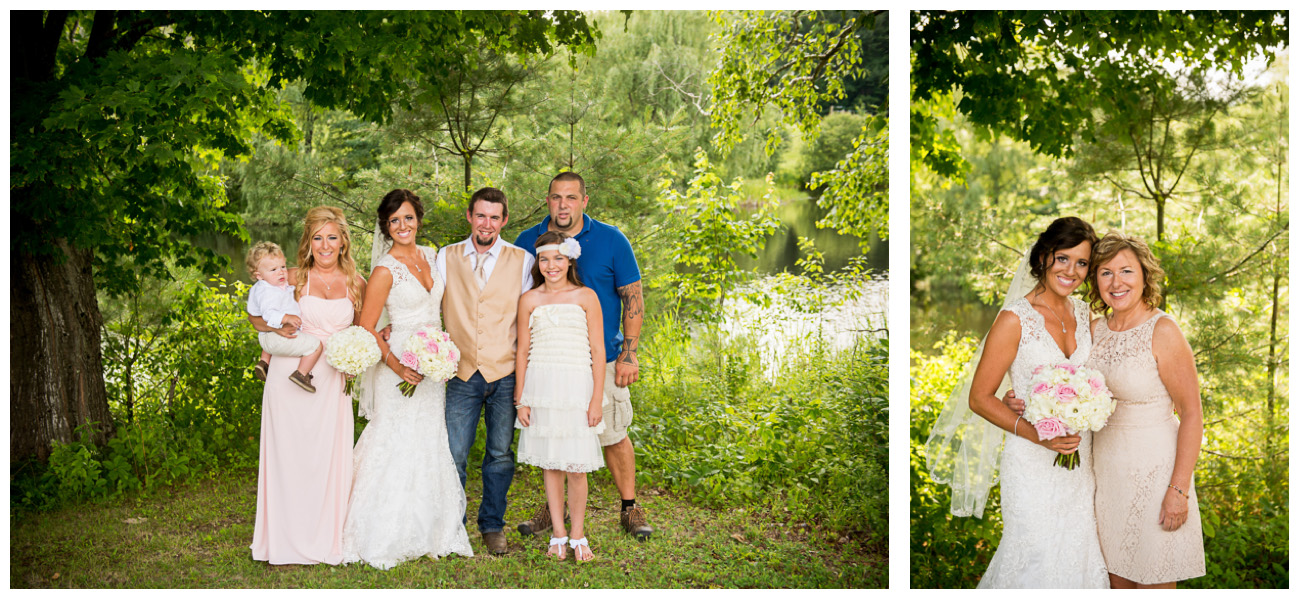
column 259, row 251
column 1112, row 244
column 316, row 218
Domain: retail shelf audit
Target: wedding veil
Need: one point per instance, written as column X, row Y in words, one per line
column 963, row 450
column 367, row 401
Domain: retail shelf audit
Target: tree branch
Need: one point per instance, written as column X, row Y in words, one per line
column 1261, row 248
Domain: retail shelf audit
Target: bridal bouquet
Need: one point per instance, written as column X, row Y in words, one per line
column 1066, row 399
column 431, row 352
column 352, row 351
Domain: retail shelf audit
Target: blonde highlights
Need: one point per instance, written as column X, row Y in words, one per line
column 316, row 218
column 1111, row 245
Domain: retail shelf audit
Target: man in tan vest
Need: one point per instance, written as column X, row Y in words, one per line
column 484, row 275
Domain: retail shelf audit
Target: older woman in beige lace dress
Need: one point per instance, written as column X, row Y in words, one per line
column 1147, row 515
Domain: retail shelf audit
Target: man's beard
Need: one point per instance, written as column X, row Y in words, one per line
column 485, row 242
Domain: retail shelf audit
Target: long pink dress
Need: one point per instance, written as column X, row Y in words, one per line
column 305, row 472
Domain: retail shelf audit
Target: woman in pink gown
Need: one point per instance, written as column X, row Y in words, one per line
column 305, row 470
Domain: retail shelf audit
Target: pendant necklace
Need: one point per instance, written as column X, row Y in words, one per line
column 1058, row 317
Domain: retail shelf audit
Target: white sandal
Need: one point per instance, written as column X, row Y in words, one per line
column 577, row 554
column 557, row 542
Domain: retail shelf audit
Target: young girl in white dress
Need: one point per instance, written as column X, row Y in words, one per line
column 560, row 377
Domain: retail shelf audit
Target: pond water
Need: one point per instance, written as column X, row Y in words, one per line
column 932, row 320
column 839, row 317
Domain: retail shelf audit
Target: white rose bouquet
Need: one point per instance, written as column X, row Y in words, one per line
column 352, row 351
column 1066, row 399
column 430, row 352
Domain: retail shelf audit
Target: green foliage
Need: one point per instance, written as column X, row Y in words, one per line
column 947, row 551
column 1037, row 76
column 855, row 192
column 708, row 230
column 811, row 439
column 1242, row 499
column 190, row 404
column 796, row 61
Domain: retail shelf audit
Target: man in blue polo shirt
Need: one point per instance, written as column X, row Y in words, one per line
column 607, row 266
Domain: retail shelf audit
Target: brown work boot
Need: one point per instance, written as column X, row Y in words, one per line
column 633, row 522
column 540, row 521
column 303, row 381
column 260, row 370
column 495, row 542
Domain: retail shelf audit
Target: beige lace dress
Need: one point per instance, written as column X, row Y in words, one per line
column 1133, row 458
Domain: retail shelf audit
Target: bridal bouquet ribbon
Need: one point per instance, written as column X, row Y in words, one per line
column 430, row 352
column 1066, row 399
column 352, row 351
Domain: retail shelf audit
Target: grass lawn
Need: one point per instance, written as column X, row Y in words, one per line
column 196, row 535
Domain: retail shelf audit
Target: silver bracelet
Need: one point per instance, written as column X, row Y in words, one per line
column 1015, row 427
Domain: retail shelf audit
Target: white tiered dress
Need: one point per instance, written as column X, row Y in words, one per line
column 557, row 387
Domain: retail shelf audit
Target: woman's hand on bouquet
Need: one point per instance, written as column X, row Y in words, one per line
column 409, row 375
column 1066, row 444
column 1173, row 510
column 1015, row 404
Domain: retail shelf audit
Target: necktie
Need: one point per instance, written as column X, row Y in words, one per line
column 479, row 276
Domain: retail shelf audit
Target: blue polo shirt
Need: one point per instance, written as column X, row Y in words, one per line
column 606, row 264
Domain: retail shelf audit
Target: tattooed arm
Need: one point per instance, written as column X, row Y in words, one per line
column 626, row 367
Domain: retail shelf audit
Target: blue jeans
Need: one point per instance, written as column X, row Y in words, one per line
column 466, row 400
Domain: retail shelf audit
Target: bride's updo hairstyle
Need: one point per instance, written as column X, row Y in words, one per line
column 1063, row 234
column 1111, row 245
column 393, row 201
column 554, row 237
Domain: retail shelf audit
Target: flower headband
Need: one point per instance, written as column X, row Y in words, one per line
column 569, row 247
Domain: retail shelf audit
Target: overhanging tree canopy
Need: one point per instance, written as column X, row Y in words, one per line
column 118, row 121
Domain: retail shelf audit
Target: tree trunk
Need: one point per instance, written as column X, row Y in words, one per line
column 56, row 375
column 467, row 159
column 1272, row 372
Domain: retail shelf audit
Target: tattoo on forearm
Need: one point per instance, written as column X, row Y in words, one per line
column 628, row 355
column 633, row 305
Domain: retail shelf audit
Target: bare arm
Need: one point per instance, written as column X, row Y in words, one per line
column 1177, row 367
column 361, row 289
column 999, row 352
column 523, row 337
column 626, row 368
column 289, row 330
column 381, row 282
column 596, row 338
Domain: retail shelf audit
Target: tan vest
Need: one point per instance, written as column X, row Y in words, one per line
column 482, row 323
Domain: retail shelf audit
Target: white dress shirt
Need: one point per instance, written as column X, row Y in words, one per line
column 490, row 257
column 272, row 303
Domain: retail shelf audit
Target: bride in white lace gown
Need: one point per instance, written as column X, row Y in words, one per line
column 407, row 500
column 1049, row 536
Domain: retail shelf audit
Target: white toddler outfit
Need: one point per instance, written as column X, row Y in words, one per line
column 273, row 303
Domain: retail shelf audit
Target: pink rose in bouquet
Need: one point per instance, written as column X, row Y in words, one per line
column 1066, row 399
column 1050, row 428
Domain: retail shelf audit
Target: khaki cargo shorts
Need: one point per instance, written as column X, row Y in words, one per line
column 616, row 409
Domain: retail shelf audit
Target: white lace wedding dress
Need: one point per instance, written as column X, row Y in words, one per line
column 407, row 500
column 1049, row 532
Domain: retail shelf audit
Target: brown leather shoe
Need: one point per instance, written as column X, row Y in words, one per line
column 303, row 381
column 540, row 521
column 633, row 522
column 259, row 371
column 495, row 542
